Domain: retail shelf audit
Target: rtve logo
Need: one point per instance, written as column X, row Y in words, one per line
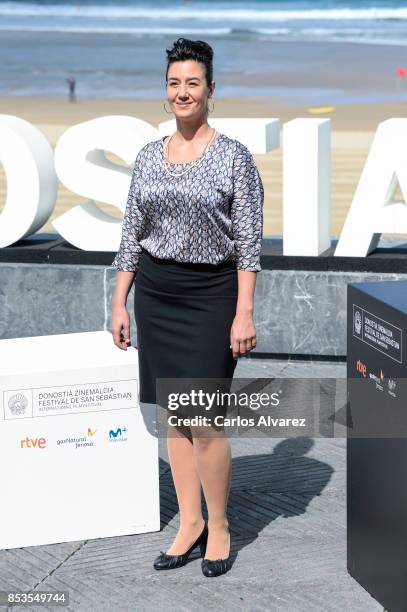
column 361, row 367
column 33, row 443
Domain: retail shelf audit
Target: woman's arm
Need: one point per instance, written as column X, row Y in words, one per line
column 127, row 257
column 124, row 281
column 243, row 333
column 126, row 262
column 120, row 324
column 247, row 226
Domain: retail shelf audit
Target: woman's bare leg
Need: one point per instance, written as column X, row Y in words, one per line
column 214, row 465
column 188, row 488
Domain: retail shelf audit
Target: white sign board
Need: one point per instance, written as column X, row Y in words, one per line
column 79, row 458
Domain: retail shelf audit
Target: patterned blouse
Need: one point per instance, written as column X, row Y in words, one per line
column 213, row 213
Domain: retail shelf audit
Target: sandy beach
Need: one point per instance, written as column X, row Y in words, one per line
column 353, row 128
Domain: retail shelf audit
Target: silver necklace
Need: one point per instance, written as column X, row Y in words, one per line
column 167, row 163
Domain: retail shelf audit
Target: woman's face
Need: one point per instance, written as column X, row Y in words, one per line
column 187, row 90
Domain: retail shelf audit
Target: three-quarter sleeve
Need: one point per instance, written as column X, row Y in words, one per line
column 247, row 210
column 127, row 256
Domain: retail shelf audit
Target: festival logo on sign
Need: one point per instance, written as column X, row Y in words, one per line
column 17, row 404
column 357, row 321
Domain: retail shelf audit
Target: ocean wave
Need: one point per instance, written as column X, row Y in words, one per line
column 114, row 30
column 352, row 35
column 200, row 11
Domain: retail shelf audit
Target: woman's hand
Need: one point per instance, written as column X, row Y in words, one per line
column 242, row 335
column 120, row 327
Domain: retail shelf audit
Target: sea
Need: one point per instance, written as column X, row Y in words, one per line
column 312, row 52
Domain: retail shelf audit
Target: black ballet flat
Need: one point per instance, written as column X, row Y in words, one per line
column 164, row 561
column 211, row 568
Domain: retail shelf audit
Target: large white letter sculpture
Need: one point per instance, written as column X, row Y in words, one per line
column 372, row 210
column 260, row 135
column 306, row 186
column 82, row 167
column 32, row 184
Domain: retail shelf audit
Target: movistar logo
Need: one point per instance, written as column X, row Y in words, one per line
column 119, row 432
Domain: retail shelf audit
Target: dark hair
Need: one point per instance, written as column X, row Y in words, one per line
column 185, row 49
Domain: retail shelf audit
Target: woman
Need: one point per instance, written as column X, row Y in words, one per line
column 192, row 234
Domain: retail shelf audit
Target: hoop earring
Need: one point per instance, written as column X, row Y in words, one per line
column 210, row 111
column 168, row 113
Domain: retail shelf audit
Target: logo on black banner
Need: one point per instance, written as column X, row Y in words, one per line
column 391, row 387
column 357, row 321
column 379, row 334
column 378, row 379
column 361, row 367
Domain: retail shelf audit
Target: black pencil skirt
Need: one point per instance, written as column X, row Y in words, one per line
column 183, row 314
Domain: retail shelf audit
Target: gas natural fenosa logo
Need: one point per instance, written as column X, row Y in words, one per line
column 78, row 442
column 378, row 379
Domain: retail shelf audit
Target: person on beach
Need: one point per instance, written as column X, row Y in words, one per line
column 71, row 83
column 191, row 241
